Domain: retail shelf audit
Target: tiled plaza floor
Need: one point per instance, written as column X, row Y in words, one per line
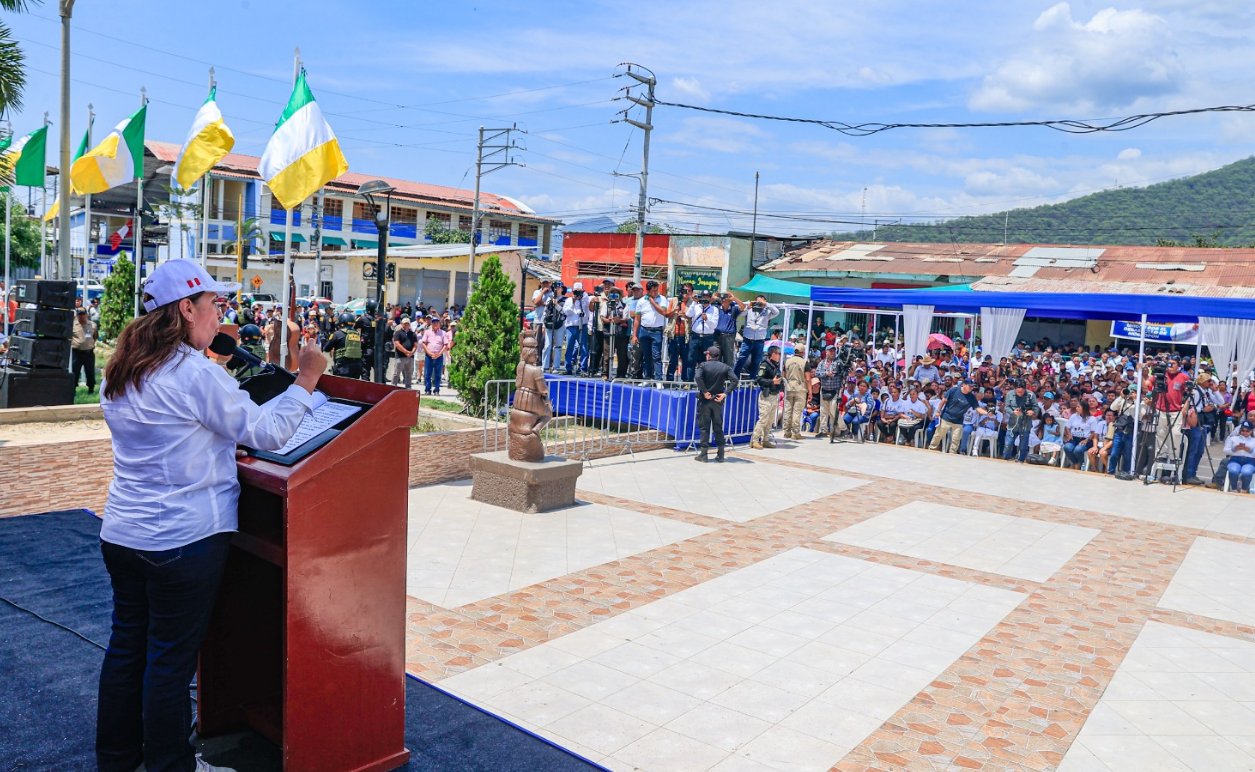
column 849, row 607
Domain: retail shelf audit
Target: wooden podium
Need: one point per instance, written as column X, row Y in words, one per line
column 307, row 641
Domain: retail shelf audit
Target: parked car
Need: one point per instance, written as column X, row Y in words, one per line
column 94, row 289
column 356, row 307
column 323, row 304
column 266, row 300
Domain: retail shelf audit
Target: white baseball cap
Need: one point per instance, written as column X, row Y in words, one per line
column 578, row 286
column 176, row 279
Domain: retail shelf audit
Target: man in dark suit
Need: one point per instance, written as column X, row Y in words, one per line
column 713, row 378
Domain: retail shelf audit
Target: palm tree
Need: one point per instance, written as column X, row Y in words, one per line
column 250, row 233
column 12, row 61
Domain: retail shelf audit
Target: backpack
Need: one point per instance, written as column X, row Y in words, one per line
column 554, row 318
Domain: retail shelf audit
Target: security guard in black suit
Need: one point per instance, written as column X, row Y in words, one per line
column 713, row 378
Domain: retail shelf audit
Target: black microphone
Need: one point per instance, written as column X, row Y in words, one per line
column 225, row 346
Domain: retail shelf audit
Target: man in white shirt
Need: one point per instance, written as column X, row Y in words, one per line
column 703, row 317
column 576, row 316
column 754, row 335
column 540, row 302
column 650, row 319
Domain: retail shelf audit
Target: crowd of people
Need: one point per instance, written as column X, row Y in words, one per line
column 349, row 339
column 1065, row 405
column 1070, row 406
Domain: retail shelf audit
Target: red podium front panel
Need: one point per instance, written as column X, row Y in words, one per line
column 307, row 641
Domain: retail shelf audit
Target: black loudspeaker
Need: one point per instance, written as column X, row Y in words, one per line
column 40, row 352
column 52, row 294
column 26, row 387
column 44, row 322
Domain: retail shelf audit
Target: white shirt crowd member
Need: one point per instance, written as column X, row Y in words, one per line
column 704, row 321
column 576, row 311
column 649, row 315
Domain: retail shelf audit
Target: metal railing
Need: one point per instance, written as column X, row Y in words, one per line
column 580, row 417
column 592, row 416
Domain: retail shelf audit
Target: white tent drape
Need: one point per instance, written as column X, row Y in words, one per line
column 998, row 330
column 1245, row 348
column 1222, row 341
column 916, row 323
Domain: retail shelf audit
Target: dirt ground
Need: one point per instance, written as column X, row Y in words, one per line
column 52, row 431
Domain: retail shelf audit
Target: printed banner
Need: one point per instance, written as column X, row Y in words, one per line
column 1184, row 332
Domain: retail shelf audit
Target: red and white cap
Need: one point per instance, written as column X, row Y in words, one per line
column 180, row 278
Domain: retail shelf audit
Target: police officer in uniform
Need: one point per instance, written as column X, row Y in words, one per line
column 713, row 378
column 346, row 349
column 365, row 326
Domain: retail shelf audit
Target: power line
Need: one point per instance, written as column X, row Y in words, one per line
column 1066, row 125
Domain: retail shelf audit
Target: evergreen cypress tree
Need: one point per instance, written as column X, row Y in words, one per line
column 117, row 307
column 487, row 346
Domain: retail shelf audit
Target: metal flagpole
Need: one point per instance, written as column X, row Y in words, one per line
column 44, row 273
column 810, row 325
column 8, row 240
column 1137, row 407
column 204, row 201
column 287, row 249
column 137, row 229
column 87, row 213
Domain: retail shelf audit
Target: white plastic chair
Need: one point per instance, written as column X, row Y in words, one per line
column 976, row 442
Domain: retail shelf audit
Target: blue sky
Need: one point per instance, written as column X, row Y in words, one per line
column 405, row 86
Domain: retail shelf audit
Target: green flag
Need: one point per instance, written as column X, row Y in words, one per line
column 31, row 164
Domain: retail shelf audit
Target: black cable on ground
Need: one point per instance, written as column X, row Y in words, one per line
column 54, row 624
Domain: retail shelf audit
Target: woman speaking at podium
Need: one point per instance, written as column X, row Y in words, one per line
column 176, row 418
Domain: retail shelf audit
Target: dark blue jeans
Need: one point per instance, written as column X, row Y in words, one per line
column 162, row 602
column 576, row 349
column 432, row 369
column 1016, row 439
column 651, row 353
column 752, row 353
column 1121, row 453
column 1194, row 454
column 1075, row 451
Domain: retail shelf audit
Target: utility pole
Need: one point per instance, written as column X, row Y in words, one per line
column 754, row 235
column 63, row 223
column 649, row 81
column 498, row 144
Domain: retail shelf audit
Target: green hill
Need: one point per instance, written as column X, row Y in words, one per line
column 1216, row 208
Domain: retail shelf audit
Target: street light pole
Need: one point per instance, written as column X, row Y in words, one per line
column 382, row 226
column 647, row 127
column 63, row 223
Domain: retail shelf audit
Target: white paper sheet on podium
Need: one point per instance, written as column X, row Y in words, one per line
column 323, row 417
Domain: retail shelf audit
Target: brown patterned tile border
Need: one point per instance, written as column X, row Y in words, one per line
column 1014, row 701
column 926, row 566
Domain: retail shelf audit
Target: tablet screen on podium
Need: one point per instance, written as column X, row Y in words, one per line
column 328, row 418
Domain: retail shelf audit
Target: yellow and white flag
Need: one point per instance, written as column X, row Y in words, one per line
column 55, row 209
column 303, row 153
column 207, row 143
column 117, row 160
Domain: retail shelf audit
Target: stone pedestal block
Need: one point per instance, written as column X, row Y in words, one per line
column 524, row 486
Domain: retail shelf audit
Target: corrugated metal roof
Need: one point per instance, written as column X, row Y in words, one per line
column 245, row 166
column 1011, row 284
column 1152, row 266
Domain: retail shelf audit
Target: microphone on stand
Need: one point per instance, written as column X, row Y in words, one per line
column 225, row 346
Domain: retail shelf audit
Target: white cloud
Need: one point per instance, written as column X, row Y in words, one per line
column 1129, row 154
column 1109, row 62
column 722, row 135
column 690, row 88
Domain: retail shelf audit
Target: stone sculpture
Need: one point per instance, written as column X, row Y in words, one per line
column 531, row 410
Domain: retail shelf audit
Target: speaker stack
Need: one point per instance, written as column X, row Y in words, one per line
column 39, row 349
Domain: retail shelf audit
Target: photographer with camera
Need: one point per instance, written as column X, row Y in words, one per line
column 616, row 326
column 754, row 335
column 1168, row 385
column 1021, row 409
column 679, row 363
column 553, row 322
column 725, row 331
column 596, row 327
column 1123, row 407
column 575, row 311
column 704, row 317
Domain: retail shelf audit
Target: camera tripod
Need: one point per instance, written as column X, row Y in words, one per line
column 1174, row 457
